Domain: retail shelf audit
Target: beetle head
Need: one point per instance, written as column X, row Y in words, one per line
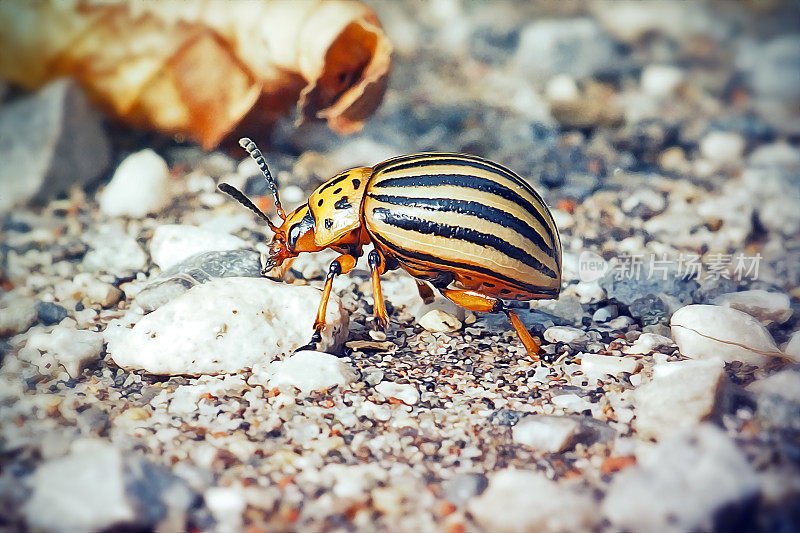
column 294, row 236
column 296, row 232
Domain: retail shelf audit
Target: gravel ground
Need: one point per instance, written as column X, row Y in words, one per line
column 665, row 138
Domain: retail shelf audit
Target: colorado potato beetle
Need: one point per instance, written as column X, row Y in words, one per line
column 469, row 227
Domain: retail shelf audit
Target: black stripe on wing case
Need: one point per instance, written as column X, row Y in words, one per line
column 427, row 227
column 470, row 182
column 464, row 207
column 427, row 260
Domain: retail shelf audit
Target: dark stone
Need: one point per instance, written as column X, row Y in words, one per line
column 145, row 486
column 649, row 298
column 256, row 186
column 459, row 489
column 18, row 226
column 650, row 309
column 751, row 127
column 531, row 318
column 50, row 141
column 197, row 269
column 50, row 313
column 493, row 46
column 711, row 288
column 645, row 140
column 505, row 417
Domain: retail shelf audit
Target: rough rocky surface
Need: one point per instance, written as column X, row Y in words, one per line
column 664, row 138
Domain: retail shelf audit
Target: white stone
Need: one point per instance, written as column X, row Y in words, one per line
column 785, row 384
column 562, row 88
column 649, row 198
column 596, row 366
column 113, row 251
column 64, row 345
column 565, row 334
column 766, row 306
column 83, row 491
column 16, row 314
column 571, row 402
column 404, row 392
column 710, row 331
column 520, row 501
column 647, row 343
column 186, row 397
column 661, row 80
column 681, row 484
column 439, row 321
column 792, row 348
column 306, row 370
column 138, row 187
column 680, row 395
column 781, row 154
column 227, row 505
column 548, row 434
column 224, row 326
column 172, row 243
column 85, row 285
column 722, row 147
column 575, row 46
column 632, row 20
column 353, row 481
column 589, row 291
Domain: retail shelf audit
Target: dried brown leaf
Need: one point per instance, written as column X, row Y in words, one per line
column 198, row 68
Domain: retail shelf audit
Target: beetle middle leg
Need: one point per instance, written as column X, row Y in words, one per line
column 477, row 301
column 378, row 266
column 341, row 265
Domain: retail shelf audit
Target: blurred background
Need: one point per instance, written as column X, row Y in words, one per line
column 664, row 135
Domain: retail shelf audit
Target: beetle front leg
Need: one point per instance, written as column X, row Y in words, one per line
column 341, row 265
column 378, row 266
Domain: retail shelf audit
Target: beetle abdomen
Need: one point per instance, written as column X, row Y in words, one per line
column 466, row 216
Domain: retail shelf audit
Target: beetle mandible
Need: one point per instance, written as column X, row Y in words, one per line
column 469, row 227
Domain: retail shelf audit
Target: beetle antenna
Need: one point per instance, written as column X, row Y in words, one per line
column 239, row 196
column 258, row 157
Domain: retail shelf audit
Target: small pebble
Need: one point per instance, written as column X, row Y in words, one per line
column 548, row 434
column 566, row 335
column 680, row 395
column 709, row 331
column 138, row 187
column 307, row 371
column 50, row 313
column 406, row 393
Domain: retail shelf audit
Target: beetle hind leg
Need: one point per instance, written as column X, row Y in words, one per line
column 477, row 301
column 524, row 335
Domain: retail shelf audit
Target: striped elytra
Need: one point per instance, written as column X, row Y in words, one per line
column 471, row 228
column 467, row 216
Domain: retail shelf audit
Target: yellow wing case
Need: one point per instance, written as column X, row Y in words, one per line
column 461, row 215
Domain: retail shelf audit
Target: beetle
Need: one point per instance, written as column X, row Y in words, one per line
column 470, row 228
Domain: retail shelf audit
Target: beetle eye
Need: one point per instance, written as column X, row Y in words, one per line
column 294, row 234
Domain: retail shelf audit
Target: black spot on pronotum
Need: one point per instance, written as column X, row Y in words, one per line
column 337, row 190
column 356, row 183
column 343, row 203
column 328, row 223
column 321, row 201
column 505, row 291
